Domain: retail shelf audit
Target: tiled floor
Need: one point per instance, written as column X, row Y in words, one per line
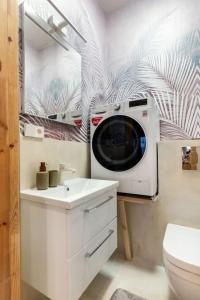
column 150, row 283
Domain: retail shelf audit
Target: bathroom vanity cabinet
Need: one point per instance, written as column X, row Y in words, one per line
column 64, row 249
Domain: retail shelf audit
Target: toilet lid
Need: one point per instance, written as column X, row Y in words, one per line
column 182, row 247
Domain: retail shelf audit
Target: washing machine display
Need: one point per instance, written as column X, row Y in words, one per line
column 119, row 143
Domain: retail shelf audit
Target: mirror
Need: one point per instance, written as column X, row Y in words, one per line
column 191, row 158
column 51, row 69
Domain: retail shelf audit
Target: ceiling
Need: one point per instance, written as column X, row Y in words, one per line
column 110, row 5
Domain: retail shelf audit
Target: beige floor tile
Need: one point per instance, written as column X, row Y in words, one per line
column 145, row 281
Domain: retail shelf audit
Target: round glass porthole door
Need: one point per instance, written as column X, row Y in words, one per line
column 119, row 143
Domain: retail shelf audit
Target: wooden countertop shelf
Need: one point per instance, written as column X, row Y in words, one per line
column 122, row 200
column 137, row 199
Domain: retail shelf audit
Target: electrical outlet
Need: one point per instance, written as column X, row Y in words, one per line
column 34, row 131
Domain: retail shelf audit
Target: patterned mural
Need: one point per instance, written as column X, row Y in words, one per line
column 164, row 64
column 93, row 74
column 53, row 80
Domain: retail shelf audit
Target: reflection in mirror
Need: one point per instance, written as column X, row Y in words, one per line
column 52, row 71
column 191, row 158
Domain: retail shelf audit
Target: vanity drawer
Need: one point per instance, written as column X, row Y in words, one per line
column 85, row 265
column 88, row 220
column 67, row 248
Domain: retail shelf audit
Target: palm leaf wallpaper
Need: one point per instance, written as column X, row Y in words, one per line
column 164, row 64
column 92, row 81
column 167, row 69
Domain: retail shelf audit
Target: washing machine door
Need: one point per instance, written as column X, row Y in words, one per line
column 119, row 143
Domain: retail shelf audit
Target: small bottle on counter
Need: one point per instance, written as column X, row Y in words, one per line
column 42, row 177
column 53, row 178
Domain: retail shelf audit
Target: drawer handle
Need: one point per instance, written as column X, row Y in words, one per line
column 88, row 210
column 90, row 254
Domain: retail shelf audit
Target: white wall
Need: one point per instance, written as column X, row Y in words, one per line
column 178, row 202
column 98, row 20
column 166, row 21
column 53, row 152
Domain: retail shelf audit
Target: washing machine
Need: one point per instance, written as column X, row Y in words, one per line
column 124, row 140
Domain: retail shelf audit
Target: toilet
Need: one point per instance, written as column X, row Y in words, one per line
column 181, row 253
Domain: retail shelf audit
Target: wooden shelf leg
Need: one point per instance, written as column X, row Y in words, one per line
column 126, row 238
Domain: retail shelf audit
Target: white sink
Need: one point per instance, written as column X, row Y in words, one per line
column 80, row 190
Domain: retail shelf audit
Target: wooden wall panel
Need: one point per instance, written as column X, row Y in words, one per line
column 9, row 153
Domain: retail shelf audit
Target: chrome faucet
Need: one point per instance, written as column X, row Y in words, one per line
column 63, row 168
column 66, row 186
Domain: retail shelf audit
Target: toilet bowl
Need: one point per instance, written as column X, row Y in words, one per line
column 181, row 254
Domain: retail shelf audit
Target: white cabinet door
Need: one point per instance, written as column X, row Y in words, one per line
column 86, row 221
column 64, row 250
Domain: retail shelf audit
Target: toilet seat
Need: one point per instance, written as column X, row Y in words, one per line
column 182, row 250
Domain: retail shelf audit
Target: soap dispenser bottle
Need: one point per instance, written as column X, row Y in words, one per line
column 42, row 177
